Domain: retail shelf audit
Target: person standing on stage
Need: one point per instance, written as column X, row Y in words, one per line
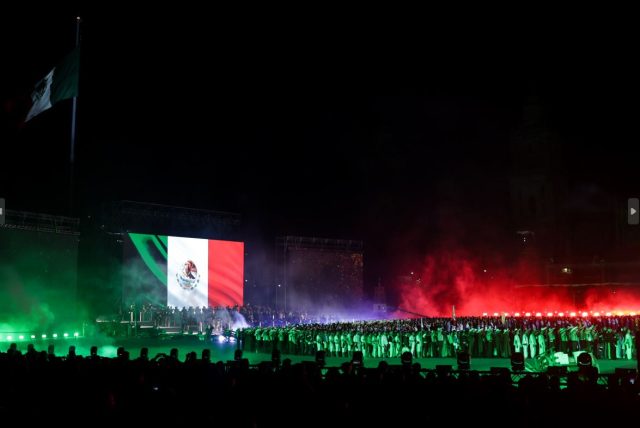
column 517, row 341
column 525, row 344
column 628, row 344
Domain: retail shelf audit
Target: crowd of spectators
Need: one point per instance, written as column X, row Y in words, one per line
column 40, row 386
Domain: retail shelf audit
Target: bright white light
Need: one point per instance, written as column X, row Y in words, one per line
column 495, row 314
column 608, row 314
column 66, row 335
column 220, row 339
column 76, row 334
column 560, row 314
column 517, row 314
column 33, row 336
column 596, row 314
column 527, row 314
column 573, row 314
column 538, row 314
column 484, row 314
column 584, row 314
column 633, row 314
column 44, row 336
column 9, row 337
column 55, row 335
column 549, row 314
column 21, row 337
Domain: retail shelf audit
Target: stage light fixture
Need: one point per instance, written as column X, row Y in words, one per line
column 584, row 360
column 517, row 361
column 275, row 357
column 144, row 353
column 55, row 335
column 357, row 358
column 464, row 361
column 76, row 334
column 44, row 336
column 21, row 337
column 33, row 336
column 237, row 355
column 173, row 353
column 66, row 335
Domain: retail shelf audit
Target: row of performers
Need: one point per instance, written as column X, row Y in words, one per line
column 604, row 343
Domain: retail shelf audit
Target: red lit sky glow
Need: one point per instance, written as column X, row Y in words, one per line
column 446, row 280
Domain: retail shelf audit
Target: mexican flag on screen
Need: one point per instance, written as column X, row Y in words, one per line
column 196, row 272
column 59, row 84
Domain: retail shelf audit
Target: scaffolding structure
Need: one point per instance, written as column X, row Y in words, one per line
column 22, row 220
column 284, row 244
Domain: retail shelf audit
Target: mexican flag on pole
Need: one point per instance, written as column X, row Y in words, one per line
column 59, row 84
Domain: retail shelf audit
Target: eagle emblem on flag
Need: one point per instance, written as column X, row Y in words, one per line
column 188, row 277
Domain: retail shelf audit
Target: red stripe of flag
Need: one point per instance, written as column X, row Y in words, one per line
column 226, row 273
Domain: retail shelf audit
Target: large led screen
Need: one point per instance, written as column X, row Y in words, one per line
column 183, row 272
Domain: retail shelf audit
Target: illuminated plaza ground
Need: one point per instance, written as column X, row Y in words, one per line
column 107, row 347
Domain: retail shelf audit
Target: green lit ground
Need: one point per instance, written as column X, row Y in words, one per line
column 224, row 351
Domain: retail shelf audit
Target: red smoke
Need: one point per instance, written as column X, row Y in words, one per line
column 449, row 278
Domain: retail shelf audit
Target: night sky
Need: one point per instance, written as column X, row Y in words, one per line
column 394, row 134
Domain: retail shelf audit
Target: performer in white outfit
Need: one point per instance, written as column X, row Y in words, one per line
column 628, row 344
column 517, row 342
column 542, row 346
column 533, row 343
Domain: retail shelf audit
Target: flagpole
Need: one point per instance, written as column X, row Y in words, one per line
column 74, row 110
